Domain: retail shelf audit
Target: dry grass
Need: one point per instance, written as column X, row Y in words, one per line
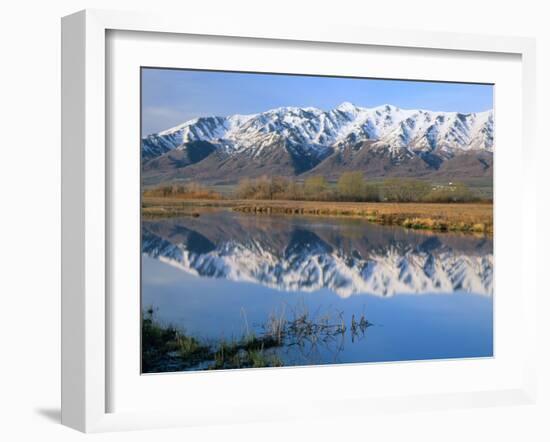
column 190, row 191
column 153, row 212
column 164, row 207
column 464, row 217
column 471, row 217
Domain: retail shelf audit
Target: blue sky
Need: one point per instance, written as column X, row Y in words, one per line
column 170, row 96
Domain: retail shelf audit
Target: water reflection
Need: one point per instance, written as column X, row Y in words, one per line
column 229, row 290
column 345, row 256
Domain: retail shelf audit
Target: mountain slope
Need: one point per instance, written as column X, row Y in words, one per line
column 291, row 141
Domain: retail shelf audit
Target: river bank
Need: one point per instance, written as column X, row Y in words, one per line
column 460, row 217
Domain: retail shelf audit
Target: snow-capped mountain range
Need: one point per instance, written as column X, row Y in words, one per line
column 302, row 260
column 302, row 138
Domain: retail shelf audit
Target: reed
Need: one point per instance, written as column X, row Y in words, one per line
column 168, row 348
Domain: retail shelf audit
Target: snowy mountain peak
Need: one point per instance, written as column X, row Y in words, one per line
column 346, row 106
column 388, row 108
column 311, row 134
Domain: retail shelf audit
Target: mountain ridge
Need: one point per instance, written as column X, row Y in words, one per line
column 296, row 140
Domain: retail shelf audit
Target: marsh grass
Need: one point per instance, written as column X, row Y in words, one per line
column 167, row 348
column 459, row 217
column 453, row 217
column 248, row 352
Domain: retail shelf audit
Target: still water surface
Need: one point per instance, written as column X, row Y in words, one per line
column 383, row 293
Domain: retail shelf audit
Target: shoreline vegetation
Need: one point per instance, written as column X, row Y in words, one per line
column 408, row 203
column 169, row 348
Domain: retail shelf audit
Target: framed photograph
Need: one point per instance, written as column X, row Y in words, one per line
column 262, row 223
column 291, row 236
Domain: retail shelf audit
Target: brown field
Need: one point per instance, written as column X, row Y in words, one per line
column 464, row 217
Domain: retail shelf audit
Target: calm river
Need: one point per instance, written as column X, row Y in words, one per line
column 347, row 291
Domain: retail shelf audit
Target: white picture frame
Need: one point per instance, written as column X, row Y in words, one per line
column 86, row 201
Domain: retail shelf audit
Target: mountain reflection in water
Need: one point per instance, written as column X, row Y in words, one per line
column 347, row 257
column 228, row 290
